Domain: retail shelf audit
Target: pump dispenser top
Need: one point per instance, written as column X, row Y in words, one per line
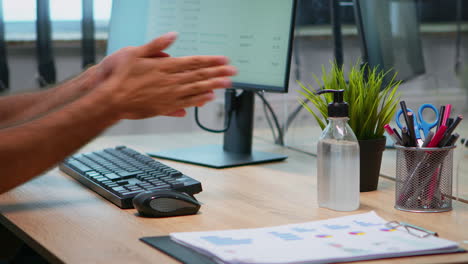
column 337, row 108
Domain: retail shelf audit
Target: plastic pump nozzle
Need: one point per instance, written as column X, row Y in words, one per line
column 337, row 108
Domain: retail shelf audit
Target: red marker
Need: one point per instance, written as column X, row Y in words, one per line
column 392, row 134
column 437, row 137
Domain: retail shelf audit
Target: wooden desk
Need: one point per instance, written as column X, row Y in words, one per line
column 66, row 222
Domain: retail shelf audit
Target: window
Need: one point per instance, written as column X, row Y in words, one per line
column 20, row 17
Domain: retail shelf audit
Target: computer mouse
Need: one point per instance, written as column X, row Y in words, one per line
column 164, row 203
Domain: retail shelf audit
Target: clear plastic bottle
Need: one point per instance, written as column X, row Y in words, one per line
column 338, row 161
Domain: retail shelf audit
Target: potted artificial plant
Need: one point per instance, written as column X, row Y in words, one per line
column 372, row 98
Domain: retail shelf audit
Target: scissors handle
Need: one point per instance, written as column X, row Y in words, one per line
column 398, row 116
column 426, row 126
column 417, row 125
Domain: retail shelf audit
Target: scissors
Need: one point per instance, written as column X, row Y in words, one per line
column 419, row 122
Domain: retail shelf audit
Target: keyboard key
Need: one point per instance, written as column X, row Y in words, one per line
column 163, row 185
column 119, row 189
column 112, row 176
column 80, row 166
column 157, row 188
column 122, row 182
column 125, row 174
column 101, row 179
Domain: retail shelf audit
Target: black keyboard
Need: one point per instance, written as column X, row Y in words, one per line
column 119, row 174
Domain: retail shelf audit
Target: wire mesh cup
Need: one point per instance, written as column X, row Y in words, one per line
column 424, row 179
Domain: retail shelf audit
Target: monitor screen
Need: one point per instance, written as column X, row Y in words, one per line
column 255, row 34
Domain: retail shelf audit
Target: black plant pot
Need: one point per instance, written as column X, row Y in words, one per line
column 370, row 151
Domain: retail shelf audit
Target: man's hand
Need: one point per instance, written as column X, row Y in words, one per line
column 143, row 81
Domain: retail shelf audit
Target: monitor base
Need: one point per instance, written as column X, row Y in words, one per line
column 214, row 156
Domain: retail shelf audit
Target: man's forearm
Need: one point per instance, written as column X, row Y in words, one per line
column 16, row 109
column 28, row 150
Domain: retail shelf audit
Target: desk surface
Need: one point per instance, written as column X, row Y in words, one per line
column 68, row 223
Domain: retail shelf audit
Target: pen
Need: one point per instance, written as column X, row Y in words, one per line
column 428, row 139
column 449, row 122
column 411, row 181
column 448, row 108
column 450, row 130
column 440, row 117
column 404, row 137
column 392, row 134
column 397, row 134
column 434, row 184
column 436, row 177
column 453, row 139
column 405, row 112
column 412, row 133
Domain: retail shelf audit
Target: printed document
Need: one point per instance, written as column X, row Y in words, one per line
column 354, row 237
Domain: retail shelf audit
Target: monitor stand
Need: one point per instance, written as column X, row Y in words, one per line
column 237, row 148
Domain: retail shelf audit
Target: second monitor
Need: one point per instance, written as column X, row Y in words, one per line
column 257, row 37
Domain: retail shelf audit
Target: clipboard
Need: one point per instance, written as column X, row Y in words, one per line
column 227, row 246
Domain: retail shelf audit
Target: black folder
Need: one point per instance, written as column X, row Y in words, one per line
column 189, row 256
column 177, row 251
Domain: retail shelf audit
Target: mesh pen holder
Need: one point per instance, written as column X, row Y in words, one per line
column 424, row 179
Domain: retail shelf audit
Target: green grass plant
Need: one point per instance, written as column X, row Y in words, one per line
column 372, row 100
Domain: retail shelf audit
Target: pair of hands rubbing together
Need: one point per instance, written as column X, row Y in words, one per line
column 42, row 128
column 144, row 81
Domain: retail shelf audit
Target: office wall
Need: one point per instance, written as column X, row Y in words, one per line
column 439, row 85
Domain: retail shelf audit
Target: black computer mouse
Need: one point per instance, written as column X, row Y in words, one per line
column 163, row 203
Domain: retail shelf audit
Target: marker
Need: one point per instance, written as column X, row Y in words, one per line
column 412, row 133
column 392, row 134
column 405, row 138
column 437, row 137
column 448, row 108
column 449, row 122
column 453, row 139
column 454, row 125
column 397, row 134
column 405, row 112
column 440, row 117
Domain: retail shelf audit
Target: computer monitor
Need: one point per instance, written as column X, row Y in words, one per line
column 256, row 35
column 390, row 37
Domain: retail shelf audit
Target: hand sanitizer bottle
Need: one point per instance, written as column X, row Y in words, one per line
column 338, row 159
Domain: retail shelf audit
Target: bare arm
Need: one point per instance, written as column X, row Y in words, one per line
column 29, row 149
column 16, row 109
column 133, row 84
